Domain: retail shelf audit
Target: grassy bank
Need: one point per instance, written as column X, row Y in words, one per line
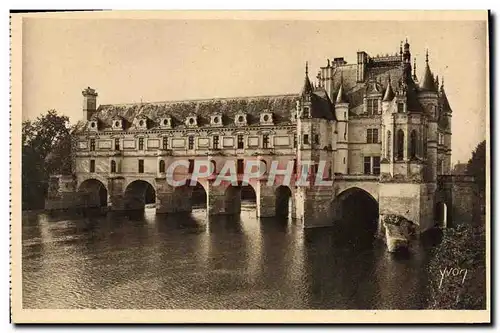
column 458, row 271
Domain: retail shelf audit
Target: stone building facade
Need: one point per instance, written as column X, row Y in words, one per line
column 381, row 132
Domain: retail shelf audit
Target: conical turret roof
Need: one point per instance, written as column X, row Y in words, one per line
column 428, row 83
column 389, row 93
column 307, row 87
column 341, row 96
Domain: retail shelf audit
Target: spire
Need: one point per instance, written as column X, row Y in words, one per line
column 341, row 97
column 415, row 69
column 428, row 83
column 389, row 93
column 307, row 88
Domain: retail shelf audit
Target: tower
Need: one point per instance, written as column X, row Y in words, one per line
column 89, row 102
column 342, row 115
column 445, row 124
column 428, row 97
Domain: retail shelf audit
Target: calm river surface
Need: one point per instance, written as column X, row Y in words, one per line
column 150, row 262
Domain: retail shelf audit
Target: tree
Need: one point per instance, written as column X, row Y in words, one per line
column 46, row 150
column 477, row 166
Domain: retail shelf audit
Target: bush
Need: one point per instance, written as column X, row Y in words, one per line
column 458, row 270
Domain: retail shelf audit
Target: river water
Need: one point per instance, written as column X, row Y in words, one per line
column 144, row 261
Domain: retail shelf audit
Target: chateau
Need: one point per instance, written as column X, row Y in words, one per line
column 384, row 134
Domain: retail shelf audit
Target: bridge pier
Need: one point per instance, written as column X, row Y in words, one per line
column 266, row 199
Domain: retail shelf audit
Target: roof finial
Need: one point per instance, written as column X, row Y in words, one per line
column 401, row 47
column 307, row 68
column 328, row 62
column 427, row 55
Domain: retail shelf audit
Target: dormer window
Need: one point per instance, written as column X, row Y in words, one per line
column 117, row 124
column 166, row 122
column 141, row 123
column 266, row 118
column 192, row 121
column 216, row 120
column 372, row 106
column 240, row 119
column 93, row 125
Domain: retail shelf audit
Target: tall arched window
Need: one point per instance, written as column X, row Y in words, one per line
column 400, row 144
column 413, row 144
column 113, row 166
column 161, row 166
column 389, row 144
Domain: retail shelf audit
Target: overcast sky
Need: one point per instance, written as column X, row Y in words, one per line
column 157, row 60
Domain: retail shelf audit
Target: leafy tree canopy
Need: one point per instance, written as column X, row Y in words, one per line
column 477, row 165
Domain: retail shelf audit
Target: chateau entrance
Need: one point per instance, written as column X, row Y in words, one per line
column 138, row 194
column 93, row 193
column 441, row 215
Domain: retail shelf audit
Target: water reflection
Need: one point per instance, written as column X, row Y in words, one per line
column 141, row 260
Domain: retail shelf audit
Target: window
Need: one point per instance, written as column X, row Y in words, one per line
column 117, row 144
column 92, row 144
column 265, row 141
column 141, row 166
column 191, row 166
column 216, row 142
column 367, row 165
column 316, row 139
column 306, row 139
column 141, row 143
column 413, row 144
column 161, row 166
column 165, row 143
column 239, row 166
column 376, row 165
column 401, row 107
column 372, row 135
column 92, row 165
column 439, row 166
column 371, row 165
column 240, row 141
column 113, row 166
column 306, row 112
column 191, row 141
column 294, row 166
column 295, row 141
column 400, row 144
column 372, row 106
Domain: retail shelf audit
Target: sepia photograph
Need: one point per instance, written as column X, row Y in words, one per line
column 185, row 164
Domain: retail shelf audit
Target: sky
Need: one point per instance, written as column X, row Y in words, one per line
column 134, row 60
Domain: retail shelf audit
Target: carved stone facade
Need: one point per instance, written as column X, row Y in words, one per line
column 375, row 126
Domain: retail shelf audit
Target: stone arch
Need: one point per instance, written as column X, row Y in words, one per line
column 356, row 212
column 139, row 193
column 441, row 212
column 191, row 195
column 235, row 194
column 93, row 193
column 283, row 201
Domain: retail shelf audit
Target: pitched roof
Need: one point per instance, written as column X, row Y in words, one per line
column 281, row 106
column 443, row 99
column 322, row 106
